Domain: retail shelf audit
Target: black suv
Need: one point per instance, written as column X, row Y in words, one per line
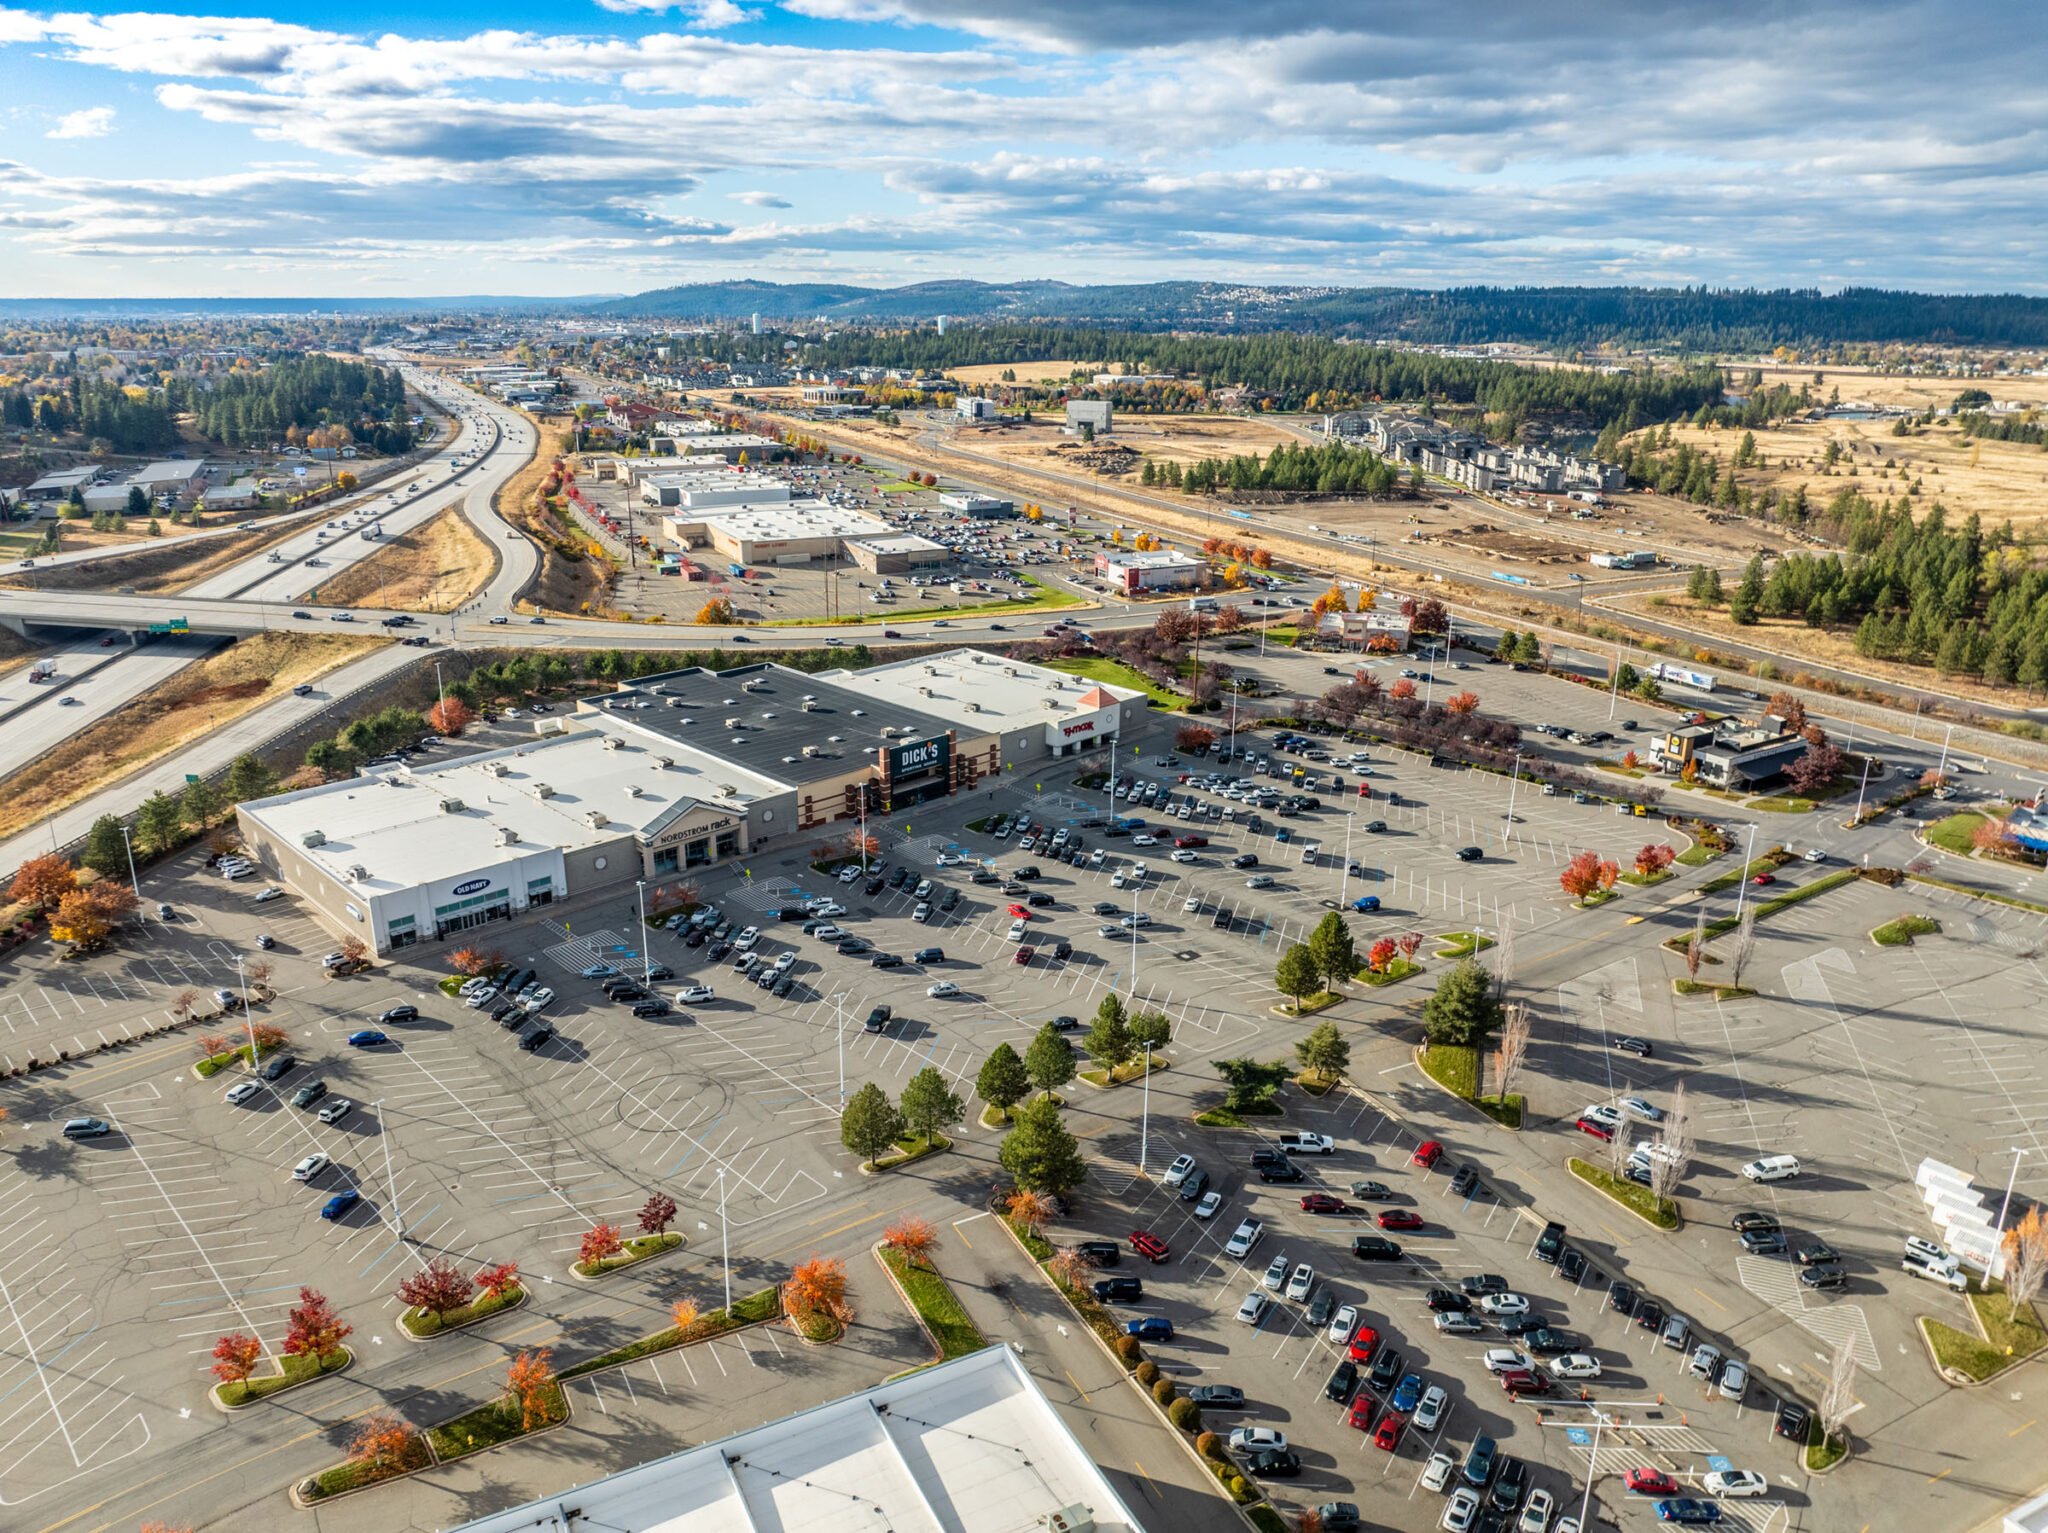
column 1286, row 1171
column 1550, row 1244
column 1118, row 1290
column 1446, row 1301
column 1386, row 1370
column 1343, row 1383
column 1100, row 1253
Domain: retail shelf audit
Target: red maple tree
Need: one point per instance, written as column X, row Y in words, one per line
column 1380, row 955
column 657, row 1213
column 531, row 1379
column 438, row 1288
column 315, row 1330
column 600, row 1243
column 499, row 1280
column 235, row 1357
column 1581, row 876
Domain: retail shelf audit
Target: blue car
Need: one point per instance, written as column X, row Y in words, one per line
column 366, row 1038
column 1151, row 1328
column 1688, row 1510
column 340, row 1204
column 1406, row 1394
column 1369, row 903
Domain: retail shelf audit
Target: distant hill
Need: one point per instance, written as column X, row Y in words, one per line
column 1698, row 319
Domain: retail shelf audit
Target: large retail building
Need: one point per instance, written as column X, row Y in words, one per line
column 668, row 776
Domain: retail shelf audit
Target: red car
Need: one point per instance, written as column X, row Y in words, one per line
column 1388, row 1437
column 1520, row 1381
column 1190, row 840
column 1400, row 1219
column 1649, row 1482
column 1020, row 912
column 1149, row 1246
column 1364, row 1342
column 1428, row 1153
column 1323, row 1203
column 1596, row 1128
column 1765, row 878
column 1361, row 1411
column 1025, row 955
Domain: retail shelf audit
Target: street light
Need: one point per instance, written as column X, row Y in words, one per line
column 133, row 882
column 1742, row 880
column 724, row 1250
column 383, row 1133
column 1941, row 771
column 1145, row 1113
column 1514, row 779
column 646, row 947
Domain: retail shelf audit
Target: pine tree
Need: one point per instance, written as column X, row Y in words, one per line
column 1109, row 1040
column 1463, row 1009
column 1003, row 1081
column 1049, row 1061
column 105, row 852
column 159, row 822
column 1324, row 1051
column 249, row 779
column 200, row 803
column 870, row 1123
column 1040, row 1153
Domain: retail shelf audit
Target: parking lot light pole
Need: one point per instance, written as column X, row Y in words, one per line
column 1998, row 1235
column 1145, row 1115
column 1742, row 881
column 384, row 1133
column 1861, row 787
column 646, row 947
column 1514, row 779
column 1941, row 772
column 839, row 1028
column 724, row 1250
column 133, row 882
column 248, row 1017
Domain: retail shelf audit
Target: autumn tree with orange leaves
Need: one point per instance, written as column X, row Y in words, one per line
column 818, row 1288
column 1462, row 702
column 315, row 1330
column 44, row 881
column 385, row 1442
column 600, row 1244
column 531, row 1380
column 235, row 1357
column 913, row 1239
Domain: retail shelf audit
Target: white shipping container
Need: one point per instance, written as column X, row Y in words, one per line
column 1934, row 1168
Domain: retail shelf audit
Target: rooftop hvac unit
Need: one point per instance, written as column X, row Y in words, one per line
column 632, row 790
column 497, row 769
column 507, row 836
column 614, row 743
column 1069, row 1519
column 596, row 819
column 809, row 750
column 666, row 761
column 313, row 838
column 542, row 790
column 676, row 702
column 767, row 715
column 735, row 722
column 810, row 697
column 451, row 806
column 1009, row 670
column 924, row 691
column 974, row 707
column 860, row 713
column 686, row 719
column 358, row 873
column 809, row 706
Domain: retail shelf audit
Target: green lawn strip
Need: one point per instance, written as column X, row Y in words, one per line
column 1661, row 1212
column 1597, row 898
column 982, row 824
column 1781, row 805
column 1117, row 674
column 1982, row 894
column 2007, row 1340
column 1265, row 1519
column 451, row 986
column 1506, row 1111
column 1315, row 1085
column 1130, row 1070
column 1683, row 986
column 1219, row 1117
column 212, row 1066
column 1697, row 855
column 913, row 1147
column 1453, row 1066
column 817, row 1327
column 751, row 1310
column 1309, row 1005
column 1040, row 1248
column 422, row 1322
column 638, row 1249
column 1764, row 864
column 344, row 1477
column 1645, row 880
column 1768, row 908
column 297, row 1370
column 488, row 1425
column 1954, row 833
column 993, row 1116
column 933, row 1299
column 1823, row 1452
column 1461, row 944
column 1901, row 930
column 1397, row 970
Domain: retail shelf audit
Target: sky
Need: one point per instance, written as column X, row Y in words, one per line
column 606, row 146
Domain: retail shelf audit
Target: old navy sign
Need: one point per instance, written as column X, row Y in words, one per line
column 474, row 886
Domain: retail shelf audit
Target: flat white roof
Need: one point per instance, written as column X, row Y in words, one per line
column 1148, row 561
column 796, row 519
column 902, row 543
column 392, row 822
column 981, row 692
column 970, row 1446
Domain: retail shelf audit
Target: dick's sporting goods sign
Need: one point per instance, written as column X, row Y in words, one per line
column 924, row 756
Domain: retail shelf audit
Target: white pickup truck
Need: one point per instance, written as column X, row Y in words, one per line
column 1307, row 1144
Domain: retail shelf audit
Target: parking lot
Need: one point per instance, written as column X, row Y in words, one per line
column 1856, row 1059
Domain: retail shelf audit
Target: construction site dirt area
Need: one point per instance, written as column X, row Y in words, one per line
column 985, row 374
column 1996, row 480
column 199, row 699
column 1183, row 439
column 432, row 568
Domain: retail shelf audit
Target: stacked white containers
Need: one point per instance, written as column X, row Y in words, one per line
column 1960, row 1211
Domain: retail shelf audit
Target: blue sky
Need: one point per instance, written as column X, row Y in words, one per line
column 612, row 147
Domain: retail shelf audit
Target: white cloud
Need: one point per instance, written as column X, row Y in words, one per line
column 703, row 13
column 86, row 122
column 760, row 199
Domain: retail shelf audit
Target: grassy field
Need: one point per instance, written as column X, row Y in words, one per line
column 1461, row 944
column 1455, row 1067
column 1953, row 834
column 198, row 700
column 1119, row 675
column 430, row 569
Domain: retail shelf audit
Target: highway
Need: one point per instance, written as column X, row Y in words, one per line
column 54, row 711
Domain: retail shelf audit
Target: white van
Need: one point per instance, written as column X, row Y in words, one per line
column 1772, row 1168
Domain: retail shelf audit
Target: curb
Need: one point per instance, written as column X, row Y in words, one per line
column 213, row 1391
column 573, row 1374
column 462, row 1325
column 1595, row 1187
column 1464, row 1102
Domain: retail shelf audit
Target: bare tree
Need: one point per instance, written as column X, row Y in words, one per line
column 1696, row 949
column 1839, row 1398
column 1504, row 957
column 1670, row 1162
column 1619, row 1148
column 1745, row 943
column 1509, row 1057
column 2026, row 1259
